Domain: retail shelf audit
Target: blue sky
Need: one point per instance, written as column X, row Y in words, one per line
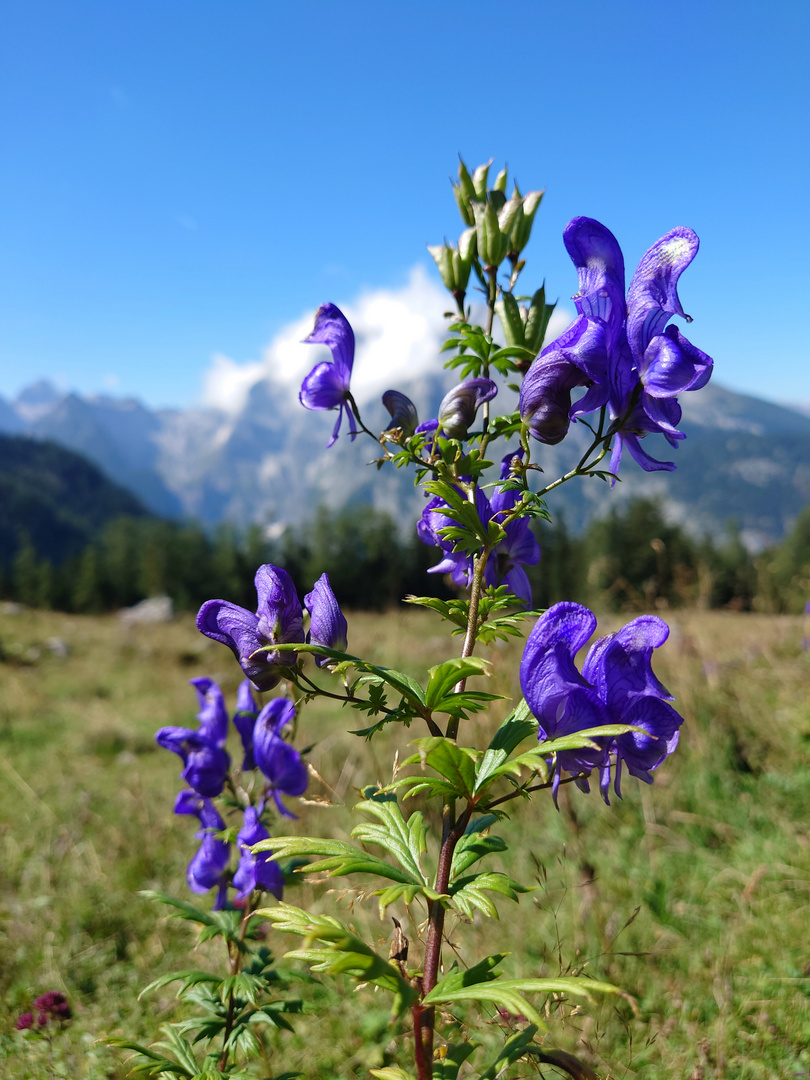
column 187, row 180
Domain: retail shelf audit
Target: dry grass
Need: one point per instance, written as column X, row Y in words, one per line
column 714, row 856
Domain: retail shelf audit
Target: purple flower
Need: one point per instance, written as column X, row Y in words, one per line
column 251, row 637
column 244, row 720
column 52, row 1005
column 207, row 869
column 205, row 761
column 255, row 871
column 327, row 385
column 327, row 624
column 278, row 760
column 458, row 408
column 25, row 1021
column 624, row 352
column 616, row 686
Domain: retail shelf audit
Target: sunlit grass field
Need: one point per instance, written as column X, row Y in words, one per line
column 693, row 895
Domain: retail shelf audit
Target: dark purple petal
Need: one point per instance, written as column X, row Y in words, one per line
column 189, row 802
column 206, row 770
column 595, row 252
column 644, row 752
column 278, row 760
column 642, row 458
column 243, row 720
column 324, row 388
column 328, row 625
column 545, row 396
column 620, row 665
column 25, row 1021
column 672, row 364
column 207, row 867
column 213, row 716
column 402, row 410
column 279, row 619
column 547, row 671
column 332, row 328
column 653, row 294
column 459, row 407
column 255, row 871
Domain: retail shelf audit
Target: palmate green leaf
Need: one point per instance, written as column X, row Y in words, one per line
column 443, row 677
column 455, row 763
column 393, row 1072
column 405, row 840
column 338, row 859
column 333, row 947
column 474, row 846
column 470, row 892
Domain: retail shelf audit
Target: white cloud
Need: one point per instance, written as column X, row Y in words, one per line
column 226, row 383
column 398, row 335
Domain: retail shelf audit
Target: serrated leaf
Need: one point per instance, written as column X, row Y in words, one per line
column 393, row 893
column 443, row 677
column 470, row 892
column 341, row 858
column 405, row 840
column 342, row 951
column 187, row 978
column 473, row 846
column 455, row 763
column 517, row 727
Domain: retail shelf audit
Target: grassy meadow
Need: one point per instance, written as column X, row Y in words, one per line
column 693, row 894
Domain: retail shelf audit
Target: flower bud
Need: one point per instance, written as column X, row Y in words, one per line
column 479, row 180
column 458, row 408
column 512, row 319
column 402, row 410
column 524, row 219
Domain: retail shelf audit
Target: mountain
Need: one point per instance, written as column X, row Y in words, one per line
column 265, row 461
column 57, row 498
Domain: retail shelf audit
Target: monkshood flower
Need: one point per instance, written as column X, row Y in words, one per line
column 327, row 624
column 616, row 686
column 255, row 871
column 244, row 720
column 327, row 385
column 278, row 760
column 207, row 869
column 205, row 761
column 278, row 620
column 623, row 351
